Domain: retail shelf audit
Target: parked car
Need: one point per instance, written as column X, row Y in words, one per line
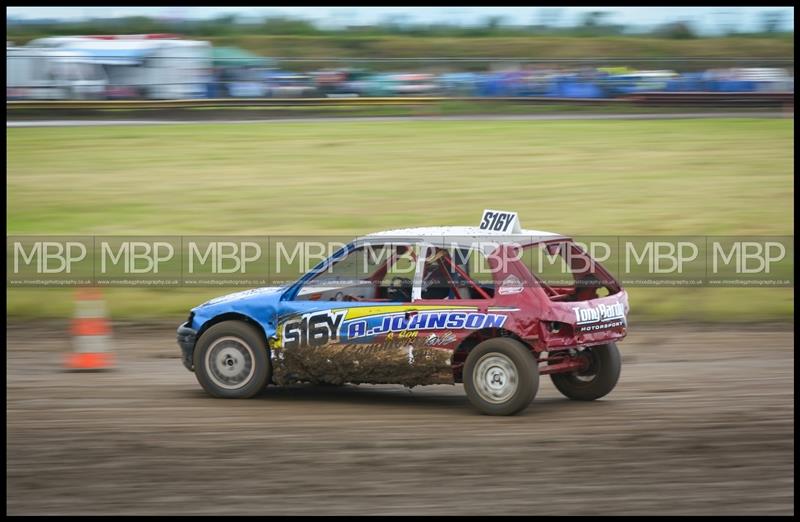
column 285, row 84
column 438, row 305
column 414, row 84
column 343, row 82
column 245, row 82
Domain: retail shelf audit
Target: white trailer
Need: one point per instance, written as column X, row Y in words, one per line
column 157, row 67
column 48, row 73
column 19, row 71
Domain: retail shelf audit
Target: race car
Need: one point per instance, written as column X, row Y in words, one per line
column 421, row 306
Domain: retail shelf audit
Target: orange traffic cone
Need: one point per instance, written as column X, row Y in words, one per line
column 91, row 333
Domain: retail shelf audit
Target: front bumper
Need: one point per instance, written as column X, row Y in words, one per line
column 187, row 337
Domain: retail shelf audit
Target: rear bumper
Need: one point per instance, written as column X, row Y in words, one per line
column 186, row 340
column 568, row 338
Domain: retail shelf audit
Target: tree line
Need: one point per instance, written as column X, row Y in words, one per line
column 591, row 24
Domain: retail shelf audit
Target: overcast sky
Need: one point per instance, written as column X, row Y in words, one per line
column 708, row 20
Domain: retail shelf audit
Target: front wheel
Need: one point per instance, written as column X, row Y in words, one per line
column 596, row 380
column 501, row 376
column 230, row 360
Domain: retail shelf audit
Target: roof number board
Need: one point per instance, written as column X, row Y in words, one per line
column 500, row 221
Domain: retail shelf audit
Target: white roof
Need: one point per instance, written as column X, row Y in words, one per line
column 84, row 42
column 121, row 51
column 469, row 237
column 54, row 41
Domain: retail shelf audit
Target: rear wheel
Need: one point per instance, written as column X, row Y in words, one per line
column 596, row 380
column 501, row 376
column 230, row 360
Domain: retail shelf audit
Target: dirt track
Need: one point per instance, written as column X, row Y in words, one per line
column 701, row 422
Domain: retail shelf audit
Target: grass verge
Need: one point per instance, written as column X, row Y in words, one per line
column 698, row 176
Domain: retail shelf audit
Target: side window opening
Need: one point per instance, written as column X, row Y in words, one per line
column 450, row 275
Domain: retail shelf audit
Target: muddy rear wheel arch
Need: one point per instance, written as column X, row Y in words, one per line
column 474, row 339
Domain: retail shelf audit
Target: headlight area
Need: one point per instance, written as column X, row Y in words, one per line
column 187, row 337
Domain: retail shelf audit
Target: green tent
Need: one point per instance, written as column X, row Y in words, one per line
column 235, row 57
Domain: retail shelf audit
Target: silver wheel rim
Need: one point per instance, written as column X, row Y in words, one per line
column 230, row 362
column 589, row 374
column 495, row 378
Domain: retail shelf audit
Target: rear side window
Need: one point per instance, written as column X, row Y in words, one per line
column 567, row 273
column 548, row 265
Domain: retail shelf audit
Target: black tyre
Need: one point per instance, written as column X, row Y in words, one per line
column 597, row 380
column 231, row 360
column 501, row 376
